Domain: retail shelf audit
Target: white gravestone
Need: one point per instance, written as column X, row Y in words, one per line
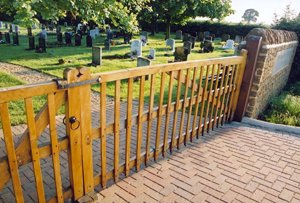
column 151, row 53
column 229, row 44
column 93, row 34
column 136, row 48
column 171, row 43
column 1, row 24
column 238, row 39
column 13, row 27
column 79, row 26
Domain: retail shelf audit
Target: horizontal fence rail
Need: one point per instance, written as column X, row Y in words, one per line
column 141, row 115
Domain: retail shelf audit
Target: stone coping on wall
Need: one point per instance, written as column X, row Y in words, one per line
column 272, row 37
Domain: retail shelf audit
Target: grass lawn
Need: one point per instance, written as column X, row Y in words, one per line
column 285, row 108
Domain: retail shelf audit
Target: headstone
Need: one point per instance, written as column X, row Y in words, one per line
column 107, row 44
column 1, row 37
column 97, row 32
column 225, row 37
column 59, row 37
column 15, row 39
column 1, row 24
column 180, row 54
column 97, row 55
column 200, row 36
column 206, row 34
column 31, row 42
column 208, row 38
column 186, row 37
column 127, row 38
column 238, row 39
column 51, row 26
column 13, row 27
column 109, row 34
column 143, row 40
column 187, row 46
column 144, row 33
column 206, row 46
column 78, row 27
column 42, row 44
column 141, row 61
column 136, row 48
column 171, row 44
column 29, row 31
column 93, row 34
column 44, row 33
column 17, row 28
column 58, row 29
column 151, row 54
column 68, row 38
column 7, row 38
column 89, row 41
column 6, row 26
column 193, row 40
column 179, row 34
column 229, row 44
column 10, row 28
column 77, row 40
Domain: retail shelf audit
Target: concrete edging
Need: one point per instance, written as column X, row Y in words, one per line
column 271, row 126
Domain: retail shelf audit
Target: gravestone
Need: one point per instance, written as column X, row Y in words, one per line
column 186, row 37
column 58, row 29
column 238, row 39
column 31, row 42
column 59, row 37
column 107, row 44
column 136, row 48
column 11, row 28
column 179, row 34
column 170, row 43
column 97, row 55
column 44, row 33
column 225, row 37
column 97, row 32
column 187, row 46
column 208, row 38
column 93, row 34
column 127, row 38
column 68, row 38
column 1, row 24
column 7, row 38
column 51, row 26
column 29, row 31
column 17, row 29
column 141, row 61
column 180, row 54
column 144, row 40
column 89, row 41
column 42, row 44
column 229, row 44
column 6, row 26
column 109, row 34
column 193, row 40
column 1, row 37
column 206, row 34
column 77, row 39
column 200, row 36
column 15, row 39
column 151, row 54
column 206, row 46
column 144, row 33
column 78, row 27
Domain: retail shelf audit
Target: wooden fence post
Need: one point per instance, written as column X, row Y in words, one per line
column 253, row 46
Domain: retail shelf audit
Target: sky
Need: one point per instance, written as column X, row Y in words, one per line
column 266, row 9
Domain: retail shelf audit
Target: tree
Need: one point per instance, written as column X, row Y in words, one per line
column 121, row 13
column 288, row 16
column 180, row 11
column 250, row 15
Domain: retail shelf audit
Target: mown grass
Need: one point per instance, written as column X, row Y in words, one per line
column 285, row 108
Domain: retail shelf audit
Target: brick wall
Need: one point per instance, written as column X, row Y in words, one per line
column 272, row 69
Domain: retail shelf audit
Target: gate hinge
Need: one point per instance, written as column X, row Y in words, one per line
column 62, row 84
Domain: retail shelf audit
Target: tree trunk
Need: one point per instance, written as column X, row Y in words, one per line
column 168, row 29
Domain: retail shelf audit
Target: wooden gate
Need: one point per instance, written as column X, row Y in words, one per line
column 140, row 115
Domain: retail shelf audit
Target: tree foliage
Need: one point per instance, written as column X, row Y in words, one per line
column 121, row 13
column 250, row 15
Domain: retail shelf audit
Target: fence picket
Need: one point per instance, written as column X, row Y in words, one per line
column 213, row 102
column 218, row 106
column 117, row 130
column 128, row 126
column 103, row 132
column 150, row 119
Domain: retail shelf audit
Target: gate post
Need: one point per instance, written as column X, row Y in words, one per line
column 252, row 46
column 79, row 130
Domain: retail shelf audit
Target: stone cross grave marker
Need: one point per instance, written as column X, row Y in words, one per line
column 151, row 54
column 229, row 44
column 97, row 55
column 238, row 39
column 193, row 40
column 188, row 46
column 136, row 48
column 170, row 43
column 180, row 54
column 179, row 34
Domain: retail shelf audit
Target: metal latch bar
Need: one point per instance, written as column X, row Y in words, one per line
column 62, row 84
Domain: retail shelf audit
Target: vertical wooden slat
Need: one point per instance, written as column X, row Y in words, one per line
column 103, row 132
column 233, row 92
column 230, row 90
column 203, row 100
column 128, row 125
column 177, row 106
column 213, row 105
column 55, row 147
column 218, row 105
column 34, row 150
column 11, row 153
column 150, row 119
column 199, row 99
column 187, row 136
column 166, row 134
column 117, row 130
column 183, row 108
column 140, row 124
column 159, row 118
column 225, row 91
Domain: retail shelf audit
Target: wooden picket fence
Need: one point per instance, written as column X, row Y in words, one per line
column 184, row 101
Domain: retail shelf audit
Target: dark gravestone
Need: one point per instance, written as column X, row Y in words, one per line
column 58, row 29
column 206, row 34
column 225, row 37
column 179, row 34
column 29, row 31
column 15, row 39
column 6, row 26
column 187, row 46
column 186, row 37
column 10, row 28
column 97, row 55
column 31, row 42
column 42, row 44
column 180, row 54
column 68, row 38
column 206, row 47
column 89, row 41
column 107, row 44
column 59, row 37
column 200, row 36
column 127, row 38
column 193, row 40
column 77, row 40
column 7, row 38
column 51, row 26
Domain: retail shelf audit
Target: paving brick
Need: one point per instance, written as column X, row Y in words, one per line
column 286, row 195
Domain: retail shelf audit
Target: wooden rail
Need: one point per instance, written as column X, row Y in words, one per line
column 185, row 100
